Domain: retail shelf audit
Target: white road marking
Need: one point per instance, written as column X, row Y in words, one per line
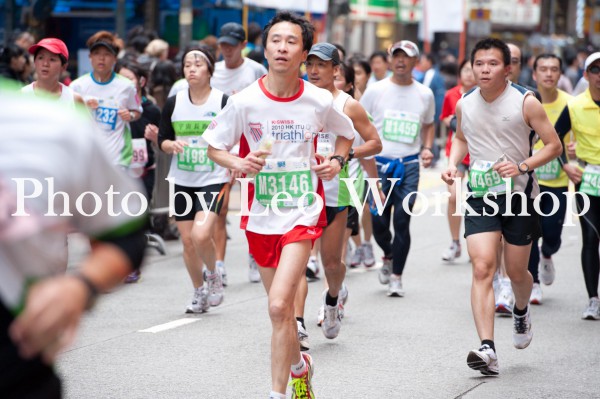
column 170, row 325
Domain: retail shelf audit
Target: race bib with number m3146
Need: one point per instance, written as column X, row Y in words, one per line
column 290, row 176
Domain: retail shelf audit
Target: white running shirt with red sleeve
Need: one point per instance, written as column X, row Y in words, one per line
column 293, row 124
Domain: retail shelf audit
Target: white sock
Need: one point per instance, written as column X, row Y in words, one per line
column 300, row 368
column 276, row 395
column 219, row 263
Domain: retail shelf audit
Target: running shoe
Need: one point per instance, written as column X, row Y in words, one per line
column 343, row 298
column 301, row 385
column 133, row 277
column 496, row 284
column 357, row 256
column 395, row 286
column 546, row 271
column 332, row 321
column 222, row 272
column 253, row 273
column 506, row 300
column 483, row 360
column 302, row 337
column 385, row 271
column 452, row 253
column 312, row 269
column 215, row 289
column 368, row 257
column 522, row 334
column 321, row 315
column 536, row 295
column 199, row 303
column 592, row 311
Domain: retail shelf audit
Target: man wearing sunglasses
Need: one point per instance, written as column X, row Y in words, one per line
column 582, row 116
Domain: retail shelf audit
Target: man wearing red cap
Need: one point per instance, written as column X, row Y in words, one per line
column 50, row 57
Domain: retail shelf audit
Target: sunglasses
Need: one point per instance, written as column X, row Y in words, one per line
column 594, row 70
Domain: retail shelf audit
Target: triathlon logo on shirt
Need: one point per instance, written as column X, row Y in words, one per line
column 292, row 131
column 255, row 131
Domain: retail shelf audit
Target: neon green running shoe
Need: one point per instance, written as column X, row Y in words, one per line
column 301, row 386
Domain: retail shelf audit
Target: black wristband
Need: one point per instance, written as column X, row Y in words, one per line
column 338, row 158
column 91, row 287
column 351, row 154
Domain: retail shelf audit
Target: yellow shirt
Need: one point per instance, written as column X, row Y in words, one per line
column 551, row 174
column 585, row 123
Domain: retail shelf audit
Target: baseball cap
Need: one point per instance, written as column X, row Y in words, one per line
column 326, row 52
column 407, row 46
column 53, row 45
column 101, row 43
column 232, row 33
column 591, row 59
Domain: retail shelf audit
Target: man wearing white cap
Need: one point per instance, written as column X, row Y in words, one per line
column 403, row 113
column 582, row 116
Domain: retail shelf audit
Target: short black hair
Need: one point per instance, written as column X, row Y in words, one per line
column 490, row 43
column 308, row 30
column 547, row 56
column 138, row 70
column 362, row 62
column 381, row 54
column 204, row 50
column 342, row 49
column 348, row 71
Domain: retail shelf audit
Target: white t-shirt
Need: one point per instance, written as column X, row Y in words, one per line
column 66, row 94
column 398, row 113
column 118, row 93
column 291, row 125
column 61, row 145
column 229, row 81
column 193, row 168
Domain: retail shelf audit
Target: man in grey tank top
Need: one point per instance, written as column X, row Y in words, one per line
column 495, row 123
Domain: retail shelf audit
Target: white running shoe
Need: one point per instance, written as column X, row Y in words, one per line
column 483, row 360
column 357, row 256
column 342, row 299
column 253, row 273
column 321, row 315
column 592, row 311
column 368, row 257
column 536, row 295
column 215, row 289
column 332, row 322
column 302, row 337
column 546, row 271
column 451, row 253
column 395, row 286
column 199, row 303
column 506, row 299
column 312, row 269
column 522, row 330
column 221, row 267
column 385, row 271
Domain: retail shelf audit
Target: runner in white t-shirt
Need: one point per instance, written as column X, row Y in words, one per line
column 322, row 63
column 40, row 305
column 198, row 183
column 111, row 97
column 403, row 111
column 276, row 120
column 50, row 58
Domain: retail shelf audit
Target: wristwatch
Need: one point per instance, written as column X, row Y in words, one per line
column 523, row 167
column 351, row 154
column 93, row 291
column 340, row 159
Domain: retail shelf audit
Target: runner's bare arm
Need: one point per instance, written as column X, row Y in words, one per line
column 427, row 135
column 251, row 164
column 372, row 143
column 458, row 151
